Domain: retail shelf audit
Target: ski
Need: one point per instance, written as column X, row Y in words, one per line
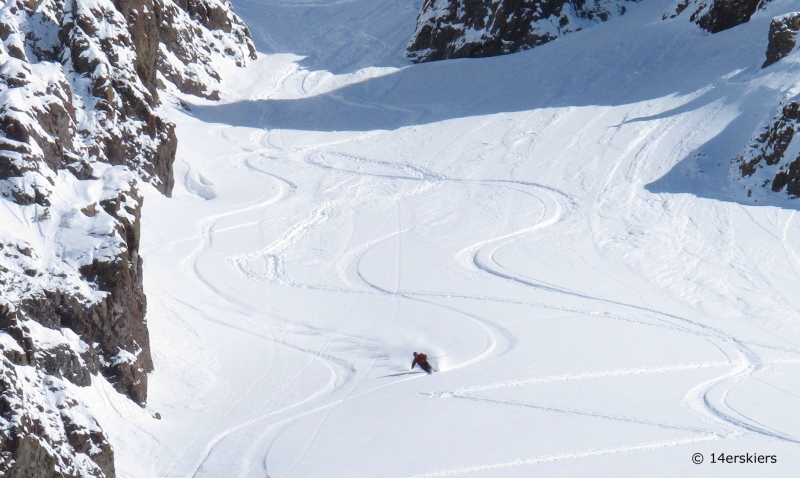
column 413, row 372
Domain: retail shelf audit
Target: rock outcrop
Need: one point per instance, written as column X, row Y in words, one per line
column 772, row 159
column 46, row 430
column 479, row 28
column 782, row 37
column 79, row 130
column 186, row 54
column 718, row 15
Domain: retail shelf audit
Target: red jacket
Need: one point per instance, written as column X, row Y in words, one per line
column 421, row 360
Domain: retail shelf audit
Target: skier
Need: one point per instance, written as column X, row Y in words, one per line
column 422, row 361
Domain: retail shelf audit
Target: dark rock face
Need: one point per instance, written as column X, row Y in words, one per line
column 62, row 362
column 79, row 90
column 38, row 440
column 725, row 14
column 479, row 28
column 208, row 28
column 782, row 37
column 119, row 122
column 68, row 323
column 788, row 178
column 718, row 15
column 158, row 36
column 765, row 162
column 114, row 325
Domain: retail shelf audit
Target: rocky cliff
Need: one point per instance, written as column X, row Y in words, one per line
column 718, row 15
column 783, row 33
column 768, row 160
column 478, row 28
column 79, row 129
column 771, row 158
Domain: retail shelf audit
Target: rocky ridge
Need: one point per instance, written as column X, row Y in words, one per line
column 79, row 129
column 715, row 16
column 479, row 28
column 783, row 32
column 772, row 159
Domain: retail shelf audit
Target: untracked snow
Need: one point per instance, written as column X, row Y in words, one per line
column 557, row 226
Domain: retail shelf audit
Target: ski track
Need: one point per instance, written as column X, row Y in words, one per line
column 708, row 401
column 483, row 252
column 206, row 227
column 580, row 376
column 565, row 456
column 557, row 209
column 585, row 413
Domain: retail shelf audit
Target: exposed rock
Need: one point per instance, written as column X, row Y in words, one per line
column 114, row 320
column 773, row 157
column 208, row 28
column 479, row 28
column 782, row 37
column 789, row 178
column 109, row 57
column 45, row 431
column 718, row 15
column 60, row 361
column 79, row 129
column 769, row 160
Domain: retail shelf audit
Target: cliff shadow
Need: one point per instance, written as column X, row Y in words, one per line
column 340, row 36
column 705, row 172
column 597, row 66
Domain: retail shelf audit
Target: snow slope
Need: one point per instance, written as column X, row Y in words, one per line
column 603, row 302
column 339, row 36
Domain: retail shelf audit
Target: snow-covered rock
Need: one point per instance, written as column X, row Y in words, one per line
column 782, row 37
column 478, row 28
column 773, row 157
column 717, row 15
column 464, row 28
column 79, row 129
column 46, row 431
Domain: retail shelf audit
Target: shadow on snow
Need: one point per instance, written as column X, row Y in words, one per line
column 655, row 60
column 340, row 36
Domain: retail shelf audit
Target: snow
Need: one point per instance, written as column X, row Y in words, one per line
column 558, row 225
column 61, row 238
column 340, row 36
column 8, row 342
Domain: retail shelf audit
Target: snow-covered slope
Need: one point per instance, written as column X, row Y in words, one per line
column 334, row 35
column 559, row 227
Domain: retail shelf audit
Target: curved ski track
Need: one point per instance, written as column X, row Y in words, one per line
column 478, row 260
column 479, row 257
